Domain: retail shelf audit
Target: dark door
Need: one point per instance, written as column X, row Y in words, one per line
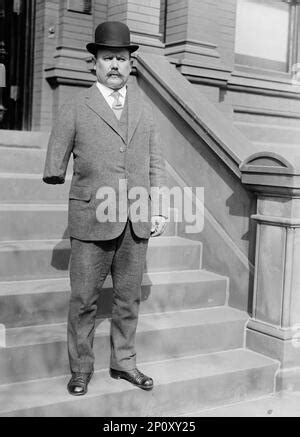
column 16, row 53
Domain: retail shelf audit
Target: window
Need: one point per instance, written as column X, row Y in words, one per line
column 266, row 34
column 83, row 6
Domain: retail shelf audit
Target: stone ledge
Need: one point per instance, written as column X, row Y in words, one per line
column 278, row 332
column 263, row 84
column 273, row 173
column 276, row 221
column 63, row 76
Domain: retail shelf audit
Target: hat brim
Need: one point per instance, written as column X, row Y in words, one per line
column 94, row 47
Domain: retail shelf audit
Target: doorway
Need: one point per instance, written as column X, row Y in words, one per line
column 16, row 56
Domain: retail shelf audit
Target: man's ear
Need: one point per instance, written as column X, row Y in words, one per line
column 94, row 60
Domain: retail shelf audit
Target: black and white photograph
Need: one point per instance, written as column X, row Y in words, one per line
column 149, row 211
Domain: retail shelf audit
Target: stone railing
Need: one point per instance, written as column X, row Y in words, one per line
column 274, row 328
column 272, row 177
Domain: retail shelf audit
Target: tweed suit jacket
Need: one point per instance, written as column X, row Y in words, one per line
column 87, row 128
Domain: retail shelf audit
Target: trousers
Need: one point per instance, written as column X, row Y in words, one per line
column 90, row 263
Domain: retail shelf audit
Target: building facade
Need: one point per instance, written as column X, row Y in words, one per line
column 220, row 318
column 227, row 49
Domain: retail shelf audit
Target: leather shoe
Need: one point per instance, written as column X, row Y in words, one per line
column 135, row 376
column 78, row 384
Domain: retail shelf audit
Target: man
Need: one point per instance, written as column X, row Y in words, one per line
column 109, row 130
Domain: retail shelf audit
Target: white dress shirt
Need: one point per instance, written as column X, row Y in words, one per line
column 106, row 92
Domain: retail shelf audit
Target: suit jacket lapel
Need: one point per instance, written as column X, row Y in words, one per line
column 134, row 107
column 98, row 104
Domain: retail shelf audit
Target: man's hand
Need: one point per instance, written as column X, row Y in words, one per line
column 158, row 225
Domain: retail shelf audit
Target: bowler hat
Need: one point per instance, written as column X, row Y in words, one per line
column 111, row 34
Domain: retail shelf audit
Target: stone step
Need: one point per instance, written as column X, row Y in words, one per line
column 269, row 133
column 30, row 188
column 38, row 221
column 183, row 384
column 20, row 160
column 23, row 139
column 45, row 301
column 23, row 188
column 41, row 351
column 24, row 160
column 277, row 404
column 33, row 259
column 33, row 221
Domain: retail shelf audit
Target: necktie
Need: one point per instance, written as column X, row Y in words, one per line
column 117, row 106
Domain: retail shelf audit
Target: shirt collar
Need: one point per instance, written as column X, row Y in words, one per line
column 107, row 91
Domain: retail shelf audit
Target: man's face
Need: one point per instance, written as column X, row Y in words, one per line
column 113, row 67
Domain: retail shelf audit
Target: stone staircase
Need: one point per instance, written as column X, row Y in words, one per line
column 189, row 340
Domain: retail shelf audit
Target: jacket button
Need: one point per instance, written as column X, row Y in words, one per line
column 122, row 149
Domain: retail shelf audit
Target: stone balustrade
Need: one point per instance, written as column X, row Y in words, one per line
column 274, row 327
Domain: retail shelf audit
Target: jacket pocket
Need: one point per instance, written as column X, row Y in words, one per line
column 80, row 193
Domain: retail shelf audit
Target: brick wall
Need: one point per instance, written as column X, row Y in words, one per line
column 140, row 15
column 45, row 44
column 163, row 4
column 226, row 38
column 209, row 21
column 177, row 20
column 203, row 25
column 144, row 16
column 117, row 10
column 206, row 20
column 74, row 29
column 100, row 11
column 65, row 48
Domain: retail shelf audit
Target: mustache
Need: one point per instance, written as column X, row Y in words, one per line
column 114, row 73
